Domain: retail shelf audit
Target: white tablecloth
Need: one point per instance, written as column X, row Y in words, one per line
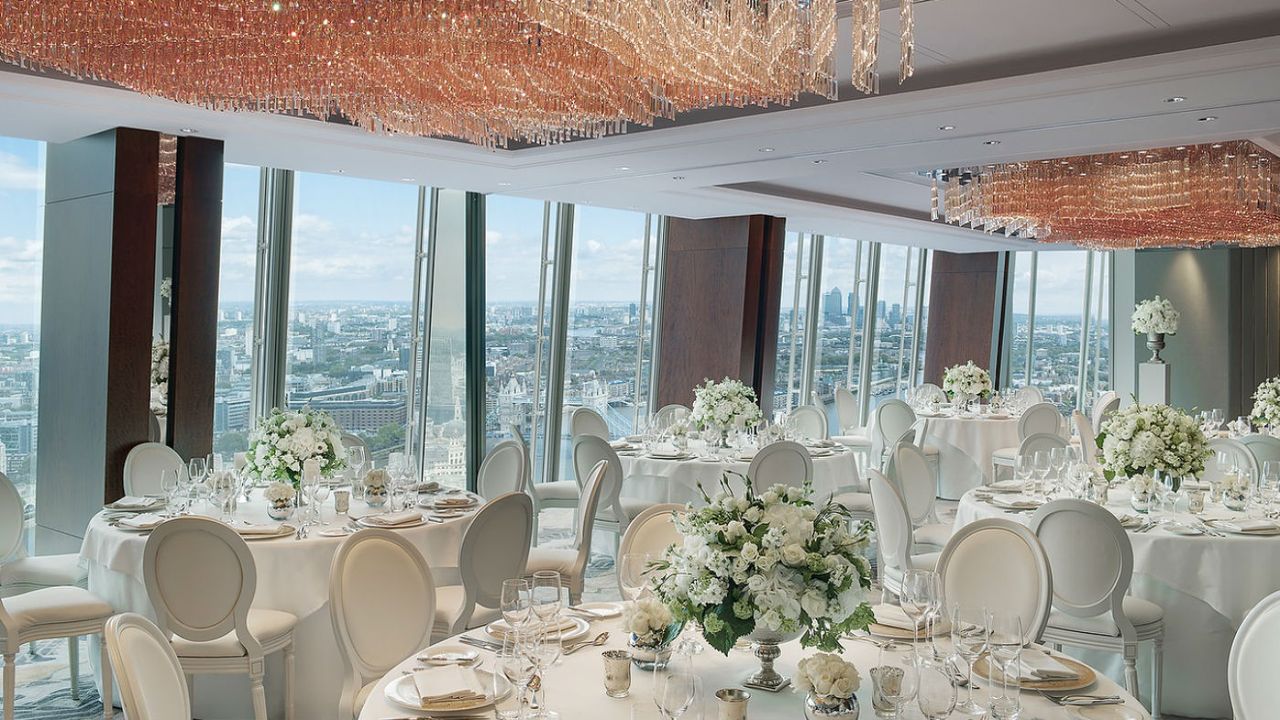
column 658, row 480
column 1206, row 586
column 964, row 447
column 575, row 687
column 293, row 576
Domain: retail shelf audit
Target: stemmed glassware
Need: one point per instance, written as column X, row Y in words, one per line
column 936, row 694
column 171, row 483
column 546, row 594
column 1024, row 471
column 1004, row 643
column 542, row 646
column 516, row 603
column 517, row 667
column 896, row 677
column 677, row 689
column 197, row 469
column 1042, row 461
column 969, row 641
column 633, row 573
column 355, row 461
column 920, row 599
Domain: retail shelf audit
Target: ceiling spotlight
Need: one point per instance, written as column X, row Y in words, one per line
column 1207, row 118
column 407, row 179
column 819, row 161
column 188, row 131
column 1174, row 99
column 1124, row 156
column 1181, row 147
column 764, row 149
column 946, row 128
column 991, row 142
column 1215, row 146
column 677, row 177
column 504, row 184
column 622, row 168
column 338, row 172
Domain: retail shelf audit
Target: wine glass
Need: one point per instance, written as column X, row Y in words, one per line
column 896, row 677
column 919, row 594
column 676, row 690
column 197, row 469
column 545, row 594
column 1004, row 643
column 1269, row 484
column 969, row 640
column 936, row 694
column 1024, row 471
column 1216, row 416
column 1043, row 463
column 355, row 460
column 542, row 646
column 634, row 572
column 170, row 483
column 518, row 668
column 220, row 489
column 319, row 495
column 516, row 605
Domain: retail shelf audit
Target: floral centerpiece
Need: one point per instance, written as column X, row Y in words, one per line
column 280, row 497
column 652, row 627
column 1155, row 318
column 769, row 565
column 283, row 441
column 1266, row 404
column 159, row 376
column 1235, row 490
column 376, row 484
column 966, row 381
column 831, row 684
column 1145, row 439
column 724, row 405
column 1141, row 489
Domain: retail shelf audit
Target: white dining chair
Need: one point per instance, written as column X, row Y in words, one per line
column 999, row 565
column 545, row 495
column 503, row 470
column 1088, row 441
column 349, row 440
column 1251, row 666
column 851, row 433
column 1092, row 563
column 614, row 511
column 780, row 463
column 152, row 683
column 154, row 432
column 1039, row 418
column 495, row 547
column 1237, row 452
column 651, row 532
column 809, row 422
column 1264, row 448
column 1041, row 441
column 894, row 535
column 585, row 421
column 52, row 612
column 1028, row 395
column 919, row 488
column 670, row 414
column 928, row 392
column 572, row 562
column 144, row 465
column 20, row 573
column 889, row 421
column 201, row 579
column 1106, row 405
column 382, row 600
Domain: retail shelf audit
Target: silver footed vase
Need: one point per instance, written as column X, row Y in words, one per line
column 767, row 650
column 1155, row 343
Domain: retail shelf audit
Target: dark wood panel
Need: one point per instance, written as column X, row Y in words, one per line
column 764, row 300
column 133, row 262
column 962, row 301
column 193, row 331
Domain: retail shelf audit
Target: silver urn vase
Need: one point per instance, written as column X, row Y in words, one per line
column 1155, row 343
column 825, row 707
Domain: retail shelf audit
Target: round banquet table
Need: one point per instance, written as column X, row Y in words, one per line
column 293, row 576
column 1206, row 585
column 676, row 480
column 965, row 443
column 574, row 687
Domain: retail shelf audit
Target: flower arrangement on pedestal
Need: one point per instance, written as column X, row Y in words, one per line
column 1266, row 404
column 284, row 440
column 159, row 375
column 966, row 381
column 1146, row 439
column 1155, row 318
column 724, row 405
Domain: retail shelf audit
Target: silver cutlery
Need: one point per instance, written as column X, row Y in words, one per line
column 482, row 644
column 597, row 641
column 1081, row 700
column 585, row 612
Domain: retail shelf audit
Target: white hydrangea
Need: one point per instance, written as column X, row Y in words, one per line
column 968, row 380
column 1266, row 404
column 829, row 675
column 724, row 405
column 1155, row 315
column 648, row 618
column 279, row 492
column 284, row 440
column 1143, row 439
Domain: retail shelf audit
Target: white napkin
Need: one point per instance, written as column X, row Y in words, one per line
column 1036, row 665
column 249, row 528
column 1247, row 525
column 404, row 517
column 1015, row 502
column 502, row 627
column 447, row 686
column 1005, row 486
column 133, row 502
column 142, row 521
column 428, row 487
column 1129, row 521
column 893, row 616
column 456, row 501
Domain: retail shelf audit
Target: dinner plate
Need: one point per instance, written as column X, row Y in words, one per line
column 602, row 610
column 455, row 503
column 669, row 456
column 1176, row 528
column 1104, row 712
column 112, row 507
column 821, row 452
column 1011, row 504
column 1087, row 676
column 450, row 655
column 403, row 693
column 999, row 416
column 580, row 628
column 1241, row 533
column 362, row 522
column 889, row 632
column 284, row 530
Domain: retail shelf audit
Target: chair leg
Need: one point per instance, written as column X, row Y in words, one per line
column 73, row 660
column 256, row 690
column 10, row 677
column 1157, row 681
column 1131, row 668
column 288, row 682
column 104, row 662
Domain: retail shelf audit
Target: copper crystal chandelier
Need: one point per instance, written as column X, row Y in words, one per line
column 1185, row 196
column 486, row 71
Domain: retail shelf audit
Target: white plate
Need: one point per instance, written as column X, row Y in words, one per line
column 135, row 510
column 602, row 610
column 450, row 655
column 403, row 693
column 1011, row 504
column 1264, row 533
column 1105, row 712
column 285, row 529
column 1178, row 528
column 999, row 416
column 819, row 453
column 580, row 628
column 669, row 456
column 363, row 523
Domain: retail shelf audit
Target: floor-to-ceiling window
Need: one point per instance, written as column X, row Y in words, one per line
column 789, row 370
column 233, row 369
column 21, row 249
column 350, row 295
column 843, row 301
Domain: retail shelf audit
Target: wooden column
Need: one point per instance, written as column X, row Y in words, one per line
column 721, row 292
column 962, row 302
column 95, row 324
column 193, row 330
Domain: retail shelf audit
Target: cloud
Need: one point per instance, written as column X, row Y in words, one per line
column 20, row 279
column 16, row 174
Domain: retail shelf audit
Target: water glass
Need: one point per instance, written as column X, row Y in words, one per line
column 936, row 695
column 517, row 668
column 1004, row 642
column 542, row 646
column 895, row 679
column 920, row 597
column 546, row 595
column 969, row 640
column 633, row 571
column 617, row 673
column 1007, row 706
column 515, row 601
column 676, row 690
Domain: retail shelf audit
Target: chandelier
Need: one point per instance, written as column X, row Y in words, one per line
column 1185, row 196
column 486, row 71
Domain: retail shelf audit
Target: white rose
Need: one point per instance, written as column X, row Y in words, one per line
column 793, row 555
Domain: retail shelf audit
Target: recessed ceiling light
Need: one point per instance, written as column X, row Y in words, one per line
column 1207, row 118
column 1181, row 147
column 504, row 184
column 188, row 131
column 622, row 168
column 1124, row 156
column 764, row 149
column 946, row 128
column 1174, row 99
column 819, row 161
column 338, row 172
column 1215, row 146
column 407, row 179
column 991, row 142
column 677, row 177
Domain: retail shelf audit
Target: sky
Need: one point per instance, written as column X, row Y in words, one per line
column 21, row 230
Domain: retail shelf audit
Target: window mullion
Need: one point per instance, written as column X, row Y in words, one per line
column 811, row 319
column 868, row 333
column 559, row 335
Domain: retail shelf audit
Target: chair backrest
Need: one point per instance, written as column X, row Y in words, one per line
column 846, row 409
column 588, row 508
column 152, row 685
column 1028, row 395
column 651, row 532
column 377, row 629
column 11, row 519
column 1238, row 451
column 915, row 481
column 1041, row 441
column 589, row 451
column 201, row 579
column 1090, row 557
column 1039, row 418
column 784, row 462
column 585, row 421
column 809, row 422
column 1088, row 441
column 1000, row 565
column 1264, row 448
column 518, row 437
column 143, row 467
column 1107, row 403
column 349, row 440
column 503, row 470
column 495, row 547
column 928, row 392
column 893, row 524
column 669, row 414
column 1255, row 654
column 892, row 418
column 154, row 434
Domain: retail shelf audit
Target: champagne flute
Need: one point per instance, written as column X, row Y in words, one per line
column 196, row 470
column 969, row 640
column 516, row 667
column 677, row 690
column 516, row 605
column 543, row 647
column 1024, row 471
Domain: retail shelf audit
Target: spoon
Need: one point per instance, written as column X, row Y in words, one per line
column 599, row 640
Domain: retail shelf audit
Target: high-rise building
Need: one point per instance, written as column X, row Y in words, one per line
column 833, row 306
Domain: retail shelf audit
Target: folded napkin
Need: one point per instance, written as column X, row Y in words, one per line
column 248, row 528
column 133, row 502
column 404, row 517
column 456, row 501
column 1005, row 486
column 1015, row 502
column 634, row 438
column 821, row 444
column 502, row 627
column 448, row 686
column 621, row 445
column 1129, row 522
column 1036, row 666
column 142, row 521
column 893, row 616
column 428, row 487
column 1246, row 525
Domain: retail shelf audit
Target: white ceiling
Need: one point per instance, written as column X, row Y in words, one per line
column 1045, row 78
